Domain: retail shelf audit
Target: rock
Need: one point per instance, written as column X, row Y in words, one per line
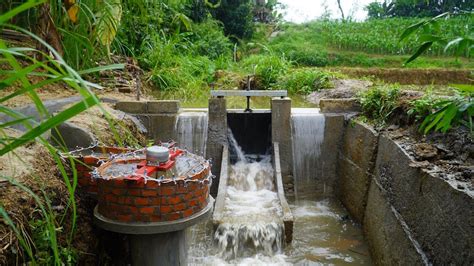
column 425, row 151
column 72, row 135
column 342, row 88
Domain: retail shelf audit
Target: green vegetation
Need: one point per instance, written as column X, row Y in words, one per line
column 368, row 44
column 378, row 103
column 304, row 81
column 448, row 113
column 415, row 8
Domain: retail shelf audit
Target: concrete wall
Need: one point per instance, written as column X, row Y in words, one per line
column 159, row 117
column 439, row 215
column 281, row 133
column 216, row 137
column 409, row 216
column 355, row 167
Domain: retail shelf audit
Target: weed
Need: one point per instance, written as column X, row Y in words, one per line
column 378, row 103
column 305, row 81
column 266, row 67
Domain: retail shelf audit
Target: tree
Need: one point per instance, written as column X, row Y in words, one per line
column 237, row 17
column 340, row 8
column 417, row 8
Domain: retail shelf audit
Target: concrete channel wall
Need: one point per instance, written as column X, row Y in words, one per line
column 159, row 117
column 408, row 215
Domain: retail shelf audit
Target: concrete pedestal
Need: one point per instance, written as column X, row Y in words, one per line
column 159, row 249
column 158, row 243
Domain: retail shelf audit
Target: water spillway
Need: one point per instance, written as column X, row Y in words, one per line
column 307, row 127
column 191, row 131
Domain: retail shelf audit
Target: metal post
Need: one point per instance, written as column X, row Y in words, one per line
column 248, row 97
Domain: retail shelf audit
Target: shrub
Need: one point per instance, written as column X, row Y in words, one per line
column 304, row 81
column 378, row 103
column 208, row 39
column 267, row 68
column 451, row 112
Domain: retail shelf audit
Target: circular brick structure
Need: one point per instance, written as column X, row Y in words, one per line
column 131, row 191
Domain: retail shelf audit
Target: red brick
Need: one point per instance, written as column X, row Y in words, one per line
column 147, row 210
column 82, row 181
column 149, row 193
column 90, row 160
column 118, row 191
column 118, row 182
column 166, row 209
column 86, row 174
column 188, row 213
column 110, row 198
column 167, row 190
column 173, row 200
column 193, row 202
column 132, row 209
column 155, row 218
column 92, row 189
column 173, row 216
column 154, row 201
column 125, row 217
column 141, row 201
column 134, row 192
column 188, row 196
column 179, row 207
column 152, row 184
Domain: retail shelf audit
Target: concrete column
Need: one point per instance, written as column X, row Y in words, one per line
column 281, row 133
column 167, row 249
column 216, row 137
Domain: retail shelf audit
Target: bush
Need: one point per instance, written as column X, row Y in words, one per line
column 208, row 39
column 305, row 81
column 378, row 103
column 267, row 68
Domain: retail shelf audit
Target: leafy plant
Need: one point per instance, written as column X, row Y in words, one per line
column 304, row 81
column 422, row 107
column 19, row 64
column 449, row 113
column 378, row 103
column 431, row 33
column 266, row 67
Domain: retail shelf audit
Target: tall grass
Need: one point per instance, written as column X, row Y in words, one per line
column 20, row 64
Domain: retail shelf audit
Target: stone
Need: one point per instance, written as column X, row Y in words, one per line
column 425, row 151
column 72, row 135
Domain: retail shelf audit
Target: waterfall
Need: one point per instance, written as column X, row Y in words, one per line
column 307, row 136
column 252, row 224
column 191, row 130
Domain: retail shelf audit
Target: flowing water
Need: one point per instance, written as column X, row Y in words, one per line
column 251, row 233
column 191, row 128
column 307, row 127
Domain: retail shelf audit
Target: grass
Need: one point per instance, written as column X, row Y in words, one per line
column 43, row 245
column 361, row 44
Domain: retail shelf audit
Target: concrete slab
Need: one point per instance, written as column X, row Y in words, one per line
column 288, row 220
column 163, row 107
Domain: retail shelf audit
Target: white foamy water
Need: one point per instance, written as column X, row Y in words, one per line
column 252, row 227
column 307, row 135
column 191, row 128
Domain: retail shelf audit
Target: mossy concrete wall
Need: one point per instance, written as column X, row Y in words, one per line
column 408, row 215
